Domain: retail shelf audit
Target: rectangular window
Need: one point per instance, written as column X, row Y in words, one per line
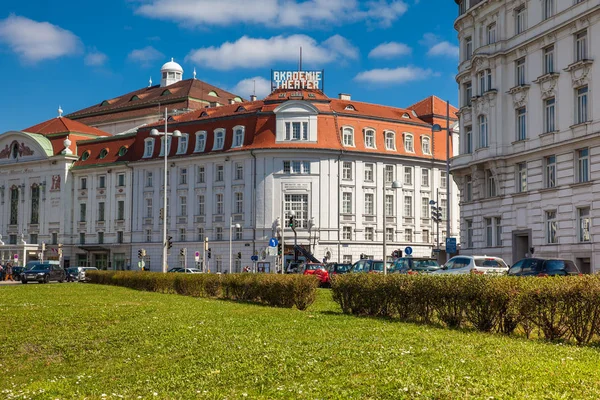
column 149, row 211
column 468, row 139
column 425, row 236
column 444, row 208
column 183, row 176
column 369, row 234
column 550, row 172
column 239, row 171
column 408, row 206
column 581, row 106
column 584, row 222
column 389, row 173
column 390, row 141
column 549, row 59
column 408, row 235
column 239, row 203
column 520, row 20
column 101, row 211
column 369, row 204
column 408, row 175
column 219, row 203
column 296, row 127
column 54, row 238
column 521, row 177
column 148, row 178
column 520, row 72
column 299, row 204
column 219, row 233
column 347, row 170
column 120, row 210
column 389, row 205
column 581, row 46
column 491, row 33
column 443, row 180
column 347, row 259
column 370, row 138
column 389, row 234
column 347, row 233
column 548, row 10
column 468, row 91
column 33, row 238
column 81, row 237
column 490, row 183
column 483, row 131
column 424, row 207
column 468, row 48
column 182, row 206
column 469, row 223
column 549, row 115
column 347, row 203
column 219, row 177
column 521, row 123
column 120, row 237
column 583, row 165
column 83, row 183
column 468, row 188
column 498, row 223
column 182, row 235
column 201, row 210
column 425, row 177
column 200, row 174
column 121, row 180
column 489, row 229
column 369, row 173
column 102, row 182
column 149, row 235
column 551, row 227
column 100, row 237
column 200, row 233
column 287, row 167
column 82, row 212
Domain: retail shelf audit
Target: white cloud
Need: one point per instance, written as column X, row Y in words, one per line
column 94, row 58
column 249, row 52
column 443, row 49
column 285, row 13
column 145, row 56
column 246, row 87
column 390, row 50
column 394, row 75
column 35, row 41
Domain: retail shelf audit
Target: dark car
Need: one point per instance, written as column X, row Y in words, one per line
column 334, row 269
column 370, row 266
column 543, row 267
column 72, row 274
column 421, row 265
column 17, row 271
column 43, row 273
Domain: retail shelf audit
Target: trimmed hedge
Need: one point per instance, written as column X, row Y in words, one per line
column 555, row 307
column 268, row 289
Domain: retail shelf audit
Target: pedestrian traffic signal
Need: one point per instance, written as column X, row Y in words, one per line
column 140, row 253
column 182, row 252
column 239, row 255
column 291, row 222
column 162, row 213
column 169, row 242
column 208, row 254
column 436, row 213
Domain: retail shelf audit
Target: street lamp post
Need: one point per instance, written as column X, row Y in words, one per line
column 438, row 128
column 231, row 226
column 165, row 134
column 395, row 185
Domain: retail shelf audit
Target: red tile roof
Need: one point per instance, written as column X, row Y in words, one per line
column 433, row 106
column 112, row 146
column 64, row 125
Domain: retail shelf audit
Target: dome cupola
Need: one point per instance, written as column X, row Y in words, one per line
column 170, row 73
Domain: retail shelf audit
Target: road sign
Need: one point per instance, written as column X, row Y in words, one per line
column 141, row 264
column 197, row 256
column 16, row 257
column 254, row 258
column 408, row 251
column 273, row 242
column 272, row 251
column 450, row 245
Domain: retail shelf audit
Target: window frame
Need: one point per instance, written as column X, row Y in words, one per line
column 200, row 144
column 409, row 142
column 370, row 136
column 239, row 133
column 219, row 135
column 348, row 133
column 390, row 139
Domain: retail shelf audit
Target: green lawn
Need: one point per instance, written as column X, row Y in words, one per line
column 83, row 340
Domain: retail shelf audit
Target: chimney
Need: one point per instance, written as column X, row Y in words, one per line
column 252, row 97
column 231, row 101
column 344, row 96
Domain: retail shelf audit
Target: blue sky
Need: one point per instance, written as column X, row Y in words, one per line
column 77, row 53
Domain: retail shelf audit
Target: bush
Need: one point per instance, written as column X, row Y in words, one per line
column 269, row 289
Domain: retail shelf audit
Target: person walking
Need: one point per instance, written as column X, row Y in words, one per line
column 9, row 272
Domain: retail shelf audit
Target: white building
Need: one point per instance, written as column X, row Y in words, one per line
column 530, row 125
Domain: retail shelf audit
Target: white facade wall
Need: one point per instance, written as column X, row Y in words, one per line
column 523, row 215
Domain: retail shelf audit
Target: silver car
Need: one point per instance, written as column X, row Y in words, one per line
column 474, row 264
column 81, row 273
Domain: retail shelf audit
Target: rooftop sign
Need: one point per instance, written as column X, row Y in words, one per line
column 297, row 80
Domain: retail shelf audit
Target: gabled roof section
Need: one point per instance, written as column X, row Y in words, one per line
column 433, row 106
column 60, row 125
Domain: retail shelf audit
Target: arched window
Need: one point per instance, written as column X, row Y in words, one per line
column 348, row 136
column 200, row 141
column 483, row 131
column 148, row 147
column 35, row 204
column 390, row 140
column 135, row 97
column 85, row 155
column 162, row 145
column 166, row 92
column 14, row 205
column 238, row 136
column 426, row 145
column 122, row 151
column 369, row 138
column 182, row 144
column 103, row 153
column 219, row 139
column 350, row 107
column 409, row 143
column 213, row 93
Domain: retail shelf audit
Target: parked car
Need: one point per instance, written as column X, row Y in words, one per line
column 543, row 267
column 294, row 268
column 17, row 271
column 43, row 273
column 334, row 269
column 421, row 265
column 474, row 264
column 72, row 274
column 317, row 270
column 370, row 266
column 187, row 270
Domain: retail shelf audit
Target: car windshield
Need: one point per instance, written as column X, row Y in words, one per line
column 426, row 263
column 313, row 267
column 490, row 262
column 40, row 267
column 72, row 270
column 378, row 266
column 343, row 267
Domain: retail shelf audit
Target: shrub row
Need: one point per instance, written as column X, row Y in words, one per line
column 269, row 289
column 554, row 307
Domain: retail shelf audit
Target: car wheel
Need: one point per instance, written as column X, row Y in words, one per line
column 46, row 279
column 23, row 281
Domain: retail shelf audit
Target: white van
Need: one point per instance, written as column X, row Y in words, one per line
column 474, row 264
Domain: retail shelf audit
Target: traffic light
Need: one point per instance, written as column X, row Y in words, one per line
column 279, row 249
column 140, row 253
column 182, row 252
column 395, row 253
column 239, row 255
column 208, row 254
column 169, row 242
column 162, row 213
column 291, row 222
column 436, row 213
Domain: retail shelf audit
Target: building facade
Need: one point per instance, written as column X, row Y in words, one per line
column 529, row 129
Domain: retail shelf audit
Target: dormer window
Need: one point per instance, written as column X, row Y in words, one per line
column 183, row 144
column 203, row 114
column 162, row 146
column 122, row 151
column 238, row 136
column 426, row 145
column 213, row 93
column 296, row 131
column 240, row 109
column 103, row 153
column 390, row 140
column 148, row 147
column 296, row 121
column 134, row 98
column 200, row 141
column 104, row 103
column 409, row 143
column 219, row 139
column 350, row 107
column 369, row 138
column 166, row 92
column 406, row 116
column 85, row 156
column 348, row 136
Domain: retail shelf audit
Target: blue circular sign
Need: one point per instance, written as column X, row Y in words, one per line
column 408, row 251
column 254, row 258
column 273, row 242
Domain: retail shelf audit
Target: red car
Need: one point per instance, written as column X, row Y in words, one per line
column 317, row 270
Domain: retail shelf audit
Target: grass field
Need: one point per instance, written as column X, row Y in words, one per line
column 80, row 340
